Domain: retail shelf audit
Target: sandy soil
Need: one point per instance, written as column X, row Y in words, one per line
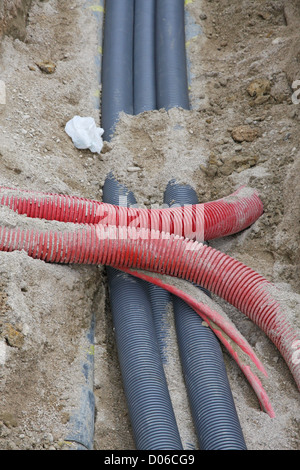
column 45, row 309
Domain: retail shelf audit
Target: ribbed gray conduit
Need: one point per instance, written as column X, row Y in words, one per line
column 159, row 60
column 150, row 409
column 117, row 70
column 171, row 65
column 144, row 59
column 144, row 76
column 160, row 81
column 212, row 406
column 172, row 91
column 160, row 301
column 145, row 91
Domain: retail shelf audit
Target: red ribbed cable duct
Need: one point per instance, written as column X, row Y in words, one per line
column 205, row 221
column 128, row 247
column 153, row 250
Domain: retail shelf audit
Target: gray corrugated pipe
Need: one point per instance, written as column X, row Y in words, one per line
column 144, row 56
column 172, row 91
column 117, row 68
column 160, row 301
column 212, row 405
column 150, row 408
column 171, row 65
column 145, row 100
column 160, row 80
column 144, row 59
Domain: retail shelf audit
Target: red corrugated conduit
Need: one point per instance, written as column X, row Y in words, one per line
column 210, row 220
column 134, row 249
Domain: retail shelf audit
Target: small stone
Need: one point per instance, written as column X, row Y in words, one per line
column 106, row 147
column 48, row 437
column 260, row 118
column 65, row 417
column 259, row 87
column 203, row 16
column 263, row 15
column 278, row 41
column 244, row 134
column 13, row 337
column 260, row 100
column 133, row 169
column 9, row 419
column 46, row 66
column 227, row 169
column 223, row 81
column 237, row 163
column 210, row 170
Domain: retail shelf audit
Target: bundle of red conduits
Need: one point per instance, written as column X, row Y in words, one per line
column 210, row 220
column 134, row 238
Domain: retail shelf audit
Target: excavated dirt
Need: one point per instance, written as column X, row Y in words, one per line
column 13, row 17
column 243, row 129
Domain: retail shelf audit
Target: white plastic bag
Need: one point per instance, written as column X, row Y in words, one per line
column 85, row 134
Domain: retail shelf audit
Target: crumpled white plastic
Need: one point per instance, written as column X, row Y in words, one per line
column 85, row 134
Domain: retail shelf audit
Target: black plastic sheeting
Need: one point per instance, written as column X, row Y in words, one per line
column 81, row 425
